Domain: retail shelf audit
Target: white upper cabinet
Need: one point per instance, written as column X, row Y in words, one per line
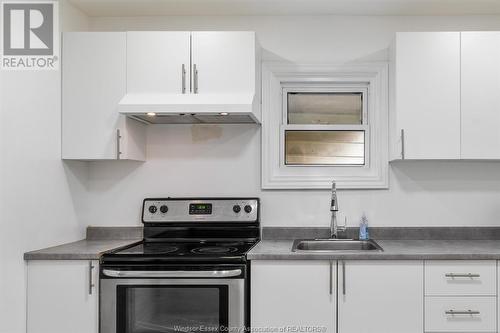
column 93, row 82
column 158, row 62
column 113, row 81
column 381, row 296
column 481, row 95
column 208, row 62
column 192, row 77
column 224, row 62
column 445, row 96
column 425, row 106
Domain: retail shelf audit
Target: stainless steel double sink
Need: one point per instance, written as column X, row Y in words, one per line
column 334, row 245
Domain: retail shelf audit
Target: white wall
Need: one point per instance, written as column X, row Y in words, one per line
column 41, row 198
column 44, row 201
column 228, row 161
column 310, row 38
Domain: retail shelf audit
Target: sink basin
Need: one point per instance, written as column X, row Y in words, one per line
column 334, row 245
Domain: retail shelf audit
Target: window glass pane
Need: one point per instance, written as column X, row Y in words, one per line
column 325, row 108
column 324, row 147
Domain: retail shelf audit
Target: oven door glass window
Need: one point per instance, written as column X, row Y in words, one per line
column 163, row 308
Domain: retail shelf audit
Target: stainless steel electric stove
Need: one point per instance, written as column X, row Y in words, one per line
column 189, row 273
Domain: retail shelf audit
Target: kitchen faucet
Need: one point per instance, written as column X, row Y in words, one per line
column 334, row 208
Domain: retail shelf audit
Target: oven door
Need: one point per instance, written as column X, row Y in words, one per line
column 172, row 301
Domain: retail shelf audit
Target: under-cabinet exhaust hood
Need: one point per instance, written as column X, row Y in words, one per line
column 234, row 108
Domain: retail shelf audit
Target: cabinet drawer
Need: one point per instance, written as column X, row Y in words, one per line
column 460, row 314
column 461, row 278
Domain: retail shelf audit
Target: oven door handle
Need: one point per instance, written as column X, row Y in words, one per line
column 172, row 274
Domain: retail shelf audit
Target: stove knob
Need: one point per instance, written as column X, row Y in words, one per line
column 164, row 209
column 248, row 209
column 236, row 209
column 152, row 209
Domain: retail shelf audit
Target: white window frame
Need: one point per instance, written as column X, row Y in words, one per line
column 280, row 78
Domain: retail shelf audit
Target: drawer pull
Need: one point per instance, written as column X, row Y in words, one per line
column 462, row 275
column 467, row 312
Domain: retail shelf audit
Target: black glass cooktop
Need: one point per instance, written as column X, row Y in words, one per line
column 185, row 250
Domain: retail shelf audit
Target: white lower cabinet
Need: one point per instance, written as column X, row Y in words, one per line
column 374, row 297
column 461, row 296
column 289, row 294
column 62, row 296
column 460, row 314
column 380, row 296
column 460, row 278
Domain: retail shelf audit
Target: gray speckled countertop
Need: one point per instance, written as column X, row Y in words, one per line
column 80, row 250
column 485, row 244
column 98, row 241
column 392, row 250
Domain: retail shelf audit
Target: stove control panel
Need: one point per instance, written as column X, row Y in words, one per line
column 200, row 209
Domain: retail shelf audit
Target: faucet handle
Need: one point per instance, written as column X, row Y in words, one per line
column 343, row 227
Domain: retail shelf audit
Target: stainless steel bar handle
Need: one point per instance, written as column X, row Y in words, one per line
column 462, row 275
column 195, row 79
column 169, row 274
column 343, row 278
column 183, row 78
column 331, row 278
column 118, row 147
column 466, row 312
column 402, row 144
column 91, row 277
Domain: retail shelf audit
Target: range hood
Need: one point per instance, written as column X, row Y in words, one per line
column 233, row 108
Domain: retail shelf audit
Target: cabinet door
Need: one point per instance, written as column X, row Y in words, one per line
column 380, row 297
column 155, row 61
column 480, row 95
column 60, row 296
column 293, row 294
column 427, row 92
column 225, row 61
column 93, row 82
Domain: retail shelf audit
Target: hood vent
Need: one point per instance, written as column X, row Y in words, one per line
column 191, row 108
column 194, row 119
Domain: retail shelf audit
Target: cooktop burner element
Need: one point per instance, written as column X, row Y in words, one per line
column 214, row 250
column 154, row 248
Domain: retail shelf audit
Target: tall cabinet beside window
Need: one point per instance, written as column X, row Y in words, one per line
column 445, row 101
column 480, row 95
column 425, row 101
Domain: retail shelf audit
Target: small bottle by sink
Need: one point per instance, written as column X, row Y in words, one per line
column 364, row 234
